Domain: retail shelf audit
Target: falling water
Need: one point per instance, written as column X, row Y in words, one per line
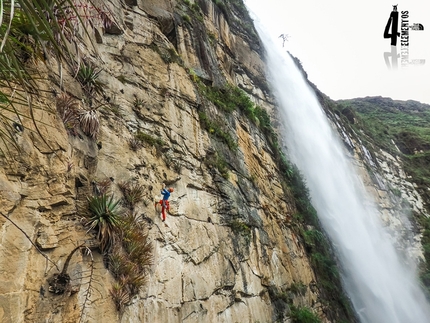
column 381, row 287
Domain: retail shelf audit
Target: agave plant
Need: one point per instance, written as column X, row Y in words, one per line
column 90, row 123
column 135, row 144
column 139, row 251
column 87, row 75
column 104, row 218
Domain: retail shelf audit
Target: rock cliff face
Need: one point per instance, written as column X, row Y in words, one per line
column 226, row 252
column 230, row 250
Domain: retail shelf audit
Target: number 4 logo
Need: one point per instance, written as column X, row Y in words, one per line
column 392, row 22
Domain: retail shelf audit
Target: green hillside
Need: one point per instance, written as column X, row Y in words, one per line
column 399, row 127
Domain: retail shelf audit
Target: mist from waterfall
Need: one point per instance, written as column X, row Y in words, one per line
column 382, row 288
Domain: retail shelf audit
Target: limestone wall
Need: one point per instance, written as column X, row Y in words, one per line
column 202, row 271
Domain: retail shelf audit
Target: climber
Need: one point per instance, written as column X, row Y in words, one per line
column 165, row 201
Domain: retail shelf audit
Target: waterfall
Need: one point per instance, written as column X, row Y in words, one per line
column 382, row 288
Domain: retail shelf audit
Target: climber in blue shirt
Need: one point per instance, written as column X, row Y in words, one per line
column 165, row 201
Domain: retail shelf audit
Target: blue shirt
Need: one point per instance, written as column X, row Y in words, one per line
column 166, row 194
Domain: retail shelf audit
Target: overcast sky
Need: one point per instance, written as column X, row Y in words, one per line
column 341, row 45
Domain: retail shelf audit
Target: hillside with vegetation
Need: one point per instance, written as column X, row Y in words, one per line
column 399, row 127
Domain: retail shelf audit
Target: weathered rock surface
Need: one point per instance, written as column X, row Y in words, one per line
column 203, row 271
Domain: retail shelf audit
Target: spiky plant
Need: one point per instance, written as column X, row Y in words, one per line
column 90, row 124
column 135, row 240
column 104, row 218
column 138, row 103
column 68, row 109
column 104, row 185
column 119, row 264
column 37, row 30
column 135, row 144
column 120, row 295
column 133, row 193
column 139, row 251
column 129, row 260
column 136, row 281
column 87, row 74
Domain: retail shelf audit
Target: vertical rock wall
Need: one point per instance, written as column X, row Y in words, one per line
column 203, row 271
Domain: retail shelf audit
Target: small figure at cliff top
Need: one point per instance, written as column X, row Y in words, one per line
column 165, row 201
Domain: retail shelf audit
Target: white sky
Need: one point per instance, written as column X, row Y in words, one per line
column 341, row 46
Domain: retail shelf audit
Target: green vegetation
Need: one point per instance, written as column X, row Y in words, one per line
column 87, row 74
column 194, row 10
column 283, row 301
column 298, row 288
column 170, row 56
column 130, row 259
column 227, row 98
column 218, row 130
column 425, row 240
column 390, row 125
column 303, row 315
column 195, row 7
column 240, row 228
column 212, row 38
column 167, row 54
column 230, row 98
column 220, row 4
column 104, row 218
column 124, row 239
column 218, row 162
column 140, row 139
column 186, row 18
column 145, row 138
column 306, row 224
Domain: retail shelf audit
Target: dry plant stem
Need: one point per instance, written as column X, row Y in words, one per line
column 88, row 291
column 29, row 239
column 69, row 257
